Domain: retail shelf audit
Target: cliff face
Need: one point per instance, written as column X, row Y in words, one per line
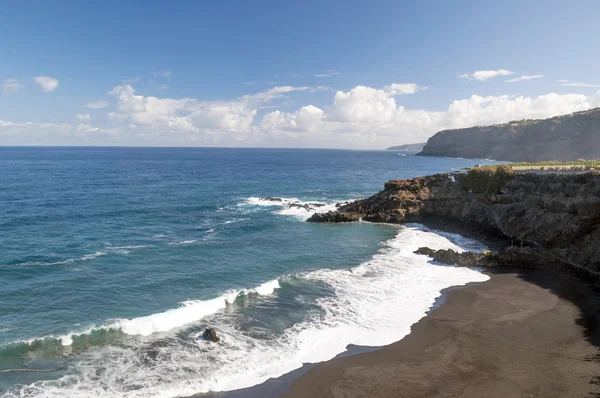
column 562, row 138
column 559, row 214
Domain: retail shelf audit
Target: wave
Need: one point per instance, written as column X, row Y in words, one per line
column 294, row 206
column 373, row 304
column 188, row 312
column 86, row 257
column 184, row 242
column 235, row 220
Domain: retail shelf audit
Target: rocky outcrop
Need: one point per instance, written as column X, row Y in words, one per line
column 556, row 214
column 449, row 256
column 563, row 138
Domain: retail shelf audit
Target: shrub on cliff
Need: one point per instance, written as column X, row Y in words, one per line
column 487, row 180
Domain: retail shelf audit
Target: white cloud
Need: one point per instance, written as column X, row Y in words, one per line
column 406, row 88
column 524, row 77
column 362, row 117
column 568, row 83
column 97, row 104
column 368, row 117
column 48, row 84
column 164, row 73
column 11, row 86
column 328, row 73
column 485, row 75
column 84, row 117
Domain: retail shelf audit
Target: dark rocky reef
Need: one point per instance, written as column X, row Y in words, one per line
column 556, row 217
column 563, row 138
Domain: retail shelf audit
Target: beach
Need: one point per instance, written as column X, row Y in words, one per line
column 519, row 334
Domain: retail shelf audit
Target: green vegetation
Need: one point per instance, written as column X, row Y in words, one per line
column 578, row 162
column 488, row 180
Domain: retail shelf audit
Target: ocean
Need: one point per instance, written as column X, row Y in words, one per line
column 114, row 260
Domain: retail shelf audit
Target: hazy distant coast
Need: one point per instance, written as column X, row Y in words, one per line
column 562, row 138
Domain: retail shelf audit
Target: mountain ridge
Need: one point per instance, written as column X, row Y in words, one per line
column 562, row 138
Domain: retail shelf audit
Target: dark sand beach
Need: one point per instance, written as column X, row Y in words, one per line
column 523, row 333
column 520, row 334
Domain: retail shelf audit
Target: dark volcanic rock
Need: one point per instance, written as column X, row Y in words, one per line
column 333, row 217
column 449, row 256
column 210, row 335
column 563, row 138
column 554, row 214
column 299, row 206
column 271, row 199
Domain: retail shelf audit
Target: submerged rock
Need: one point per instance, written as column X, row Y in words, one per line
column 271, row 199
column 210, row 335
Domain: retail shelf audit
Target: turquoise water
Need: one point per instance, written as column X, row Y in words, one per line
column 112, row 260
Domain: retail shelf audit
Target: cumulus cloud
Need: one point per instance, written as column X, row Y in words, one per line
column 524, row 77
column 11, row 86
column 485, row 75
column 568, row 83
column 47, row 83
column 365, row 116
column 406, row 88
column 97, row 104
column 328, row 73
column 84, row 117
column 361, row 117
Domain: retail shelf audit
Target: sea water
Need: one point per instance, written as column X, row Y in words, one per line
column 114, row 260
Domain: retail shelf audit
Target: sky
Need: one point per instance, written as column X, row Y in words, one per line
column 310, row 74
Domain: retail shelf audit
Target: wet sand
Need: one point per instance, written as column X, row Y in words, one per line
column 523, row 333
column 520, row 334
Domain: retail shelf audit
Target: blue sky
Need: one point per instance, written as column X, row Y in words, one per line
column 301, row 74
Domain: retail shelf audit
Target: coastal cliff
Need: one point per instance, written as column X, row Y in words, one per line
column 549, row 219
column 562, row 138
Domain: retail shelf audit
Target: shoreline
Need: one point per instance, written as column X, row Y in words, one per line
column 521, row 333
column 278, row 386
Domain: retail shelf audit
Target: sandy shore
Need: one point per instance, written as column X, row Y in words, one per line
column 521, row 334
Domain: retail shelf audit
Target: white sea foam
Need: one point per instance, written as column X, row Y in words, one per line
column 235, row 220
column 86, row 257
column 294, row 206
column 373, row 304
column 188, row 312
column 184, row 242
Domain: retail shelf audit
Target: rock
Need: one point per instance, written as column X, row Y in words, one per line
column 299, row 206
column 316, row 204
column 557, row 213
column 425, row 251
column 333, row 217
column 451, row 257
column 210, row 335
column 271, row 199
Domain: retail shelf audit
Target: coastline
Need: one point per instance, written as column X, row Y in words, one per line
column 521, row 333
